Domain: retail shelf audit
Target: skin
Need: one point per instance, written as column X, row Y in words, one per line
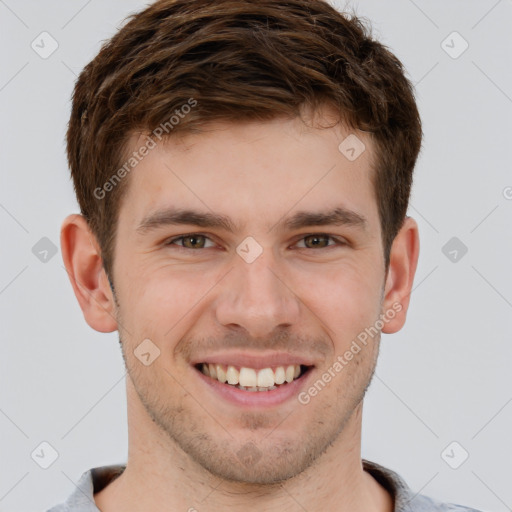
column 295, row 298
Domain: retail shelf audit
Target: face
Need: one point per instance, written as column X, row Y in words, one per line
column 252, row 285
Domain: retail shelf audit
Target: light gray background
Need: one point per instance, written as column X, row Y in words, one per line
column 445, row 377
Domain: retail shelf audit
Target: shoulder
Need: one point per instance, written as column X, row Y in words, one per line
column 422, row 503
column 405, row 499
column 61, row 507
column 91, row 481
column 80, row 499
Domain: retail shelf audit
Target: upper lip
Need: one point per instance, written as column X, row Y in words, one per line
column 253, row 360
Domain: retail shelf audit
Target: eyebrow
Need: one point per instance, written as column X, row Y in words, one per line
column 338, row 217
column 178, row 216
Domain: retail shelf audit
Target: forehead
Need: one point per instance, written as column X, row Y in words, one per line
column 253, row 170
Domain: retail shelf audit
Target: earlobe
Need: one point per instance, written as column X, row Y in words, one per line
column 84, row 265
column 402, row 268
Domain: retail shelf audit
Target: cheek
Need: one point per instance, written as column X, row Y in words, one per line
column 160, row 298
column 345, row 300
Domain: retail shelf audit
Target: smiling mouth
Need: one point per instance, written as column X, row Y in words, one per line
column 251, row 379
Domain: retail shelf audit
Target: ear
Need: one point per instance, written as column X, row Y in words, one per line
column 84, row 265
column 403, row 261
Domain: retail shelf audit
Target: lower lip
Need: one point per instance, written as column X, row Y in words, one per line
column 256, row 398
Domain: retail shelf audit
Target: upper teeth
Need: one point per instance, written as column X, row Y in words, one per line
column 251, row 378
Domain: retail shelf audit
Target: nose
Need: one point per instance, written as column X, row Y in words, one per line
column 257, row 297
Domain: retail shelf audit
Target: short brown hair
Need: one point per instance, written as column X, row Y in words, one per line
column 239, row 60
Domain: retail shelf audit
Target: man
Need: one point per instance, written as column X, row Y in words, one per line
column 243, row 171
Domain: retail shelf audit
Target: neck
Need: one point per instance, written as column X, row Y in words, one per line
column 335, row 481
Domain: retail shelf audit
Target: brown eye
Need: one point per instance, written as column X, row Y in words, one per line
column 193, row 241
column 317, row 241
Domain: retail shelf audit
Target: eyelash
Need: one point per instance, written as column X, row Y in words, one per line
column 323, row 235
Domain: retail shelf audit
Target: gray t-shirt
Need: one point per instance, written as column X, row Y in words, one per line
column 94, row 480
